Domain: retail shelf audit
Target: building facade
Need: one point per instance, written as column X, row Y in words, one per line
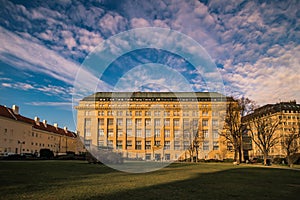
column 21, row 135
column 155, row 125
column 285, row 116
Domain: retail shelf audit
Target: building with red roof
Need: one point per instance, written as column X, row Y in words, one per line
column 20, row 134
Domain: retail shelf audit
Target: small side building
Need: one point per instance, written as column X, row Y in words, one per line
column 288, row 116
column 19, row 135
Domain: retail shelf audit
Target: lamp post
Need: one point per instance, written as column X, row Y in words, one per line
column 21, row 142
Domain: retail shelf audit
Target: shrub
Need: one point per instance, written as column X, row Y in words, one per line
column 46, row 154
column 279, row 161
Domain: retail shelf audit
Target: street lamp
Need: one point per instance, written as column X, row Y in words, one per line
column 21, row 142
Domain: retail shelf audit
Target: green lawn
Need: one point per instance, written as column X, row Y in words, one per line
column 79, row 180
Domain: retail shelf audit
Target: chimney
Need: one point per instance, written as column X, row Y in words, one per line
column 45, row 122
column 55, row 125
column 15, row 109
column 66, row 129
column 37, row 120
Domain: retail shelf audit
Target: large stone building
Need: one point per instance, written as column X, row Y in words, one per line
column 155, row 125
column 283, row 117
column 19, row 135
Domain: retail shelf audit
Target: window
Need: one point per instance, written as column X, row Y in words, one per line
column 129, row 132
column 186, row 145
column 186, row 123
column 128, row 113
column 119, row 144
column 87, row 122
column 148, row 156
column 157, row 143
column 148, row 145
column 229, row 146
column 138, row 145
column 176, row 113
column 205, row 145
column 177, row 145
column 110, row 132
column 156, row 113
column 195, row 113
column 204, row 122
column 167, row 156
column 138, row 132
column 148, row 122
column 205, row 133
column 157, row 132
column 100, row 122
column 166, row 113
column 128, row 122
column 215, row 134
column 110, row 122
column 119, row 113
column 129, row 143
column 101, row 132
column 167, row 122
column 176, row 122
column 176, row 133
column 101, row 113
column 167, row 145
column 185, row 113
column 87, row 143
column 110, row 143
column 167, row 133
column 110, row 113
column 87, row 113
column 216, row 145
column 138, row 113
column 87, row 127
column 148, row 132
column 148, row 113
column 120, row 132
column 215, row 113
column 138, row 122
column 157, row 122
column 195, row 123
column 186, row 134
column 215, row 123
column 120, row 122
column 205, row 113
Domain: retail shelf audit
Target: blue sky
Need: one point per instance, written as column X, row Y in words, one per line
column 255, row 45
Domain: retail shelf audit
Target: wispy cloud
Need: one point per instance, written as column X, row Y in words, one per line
column 49, row 103
column 257, row 43
column 50, row 90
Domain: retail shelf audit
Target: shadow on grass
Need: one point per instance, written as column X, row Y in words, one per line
column 80, row 180
column 240, row 183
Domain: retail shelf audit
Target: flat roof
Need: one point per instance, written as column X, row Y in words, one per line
column 155, row 95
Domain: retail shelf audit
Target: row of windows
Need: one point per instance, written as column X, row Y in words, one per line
column 288, row 117
column 148, row 122
column 152, row 113
column 194, row 105
column 148, row 145
column 156, row 133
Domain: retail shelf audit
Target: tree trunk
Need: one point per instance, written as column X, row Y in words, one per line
column 235, row 155
column 290, row 160
column 265, row 158
column 240, row 155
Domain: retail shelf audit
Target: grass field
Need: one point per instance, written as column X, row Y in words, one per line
column 79, row 180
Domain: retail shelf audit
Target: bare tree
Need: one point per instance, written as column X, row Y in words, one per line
column 196, row 138
column 263, row 133
column 234, row 127
column 290, row 145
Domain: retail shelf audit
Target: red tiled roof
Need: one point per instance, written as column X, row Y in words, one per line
column 8, row 113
